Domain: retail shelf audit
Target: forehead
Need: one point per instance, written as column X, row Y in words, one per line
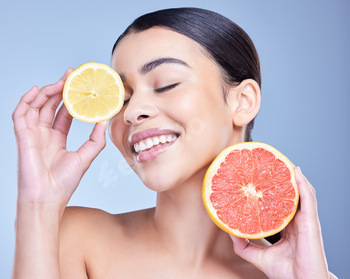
column 138, row 48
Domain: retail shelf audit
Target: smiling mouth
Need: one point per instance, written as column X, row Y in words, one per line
column 154, row 143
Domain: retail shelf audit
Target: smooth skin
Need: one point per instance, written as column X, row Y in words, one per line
column 176, row 239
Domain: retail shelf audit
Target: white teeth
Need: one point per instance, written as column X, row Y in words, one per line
column 142, row 146
column 169, row 138
column 155, row 141
column 150, row 142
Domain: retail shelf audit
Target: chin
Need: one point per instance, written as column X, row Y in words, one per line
column 159, row 183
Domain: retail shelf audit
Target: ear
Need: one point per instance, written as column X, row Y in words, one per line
column 244, row 101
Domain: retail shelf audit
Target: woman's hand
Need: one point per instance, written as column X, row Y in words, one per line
column 47, row 172
column 48, row 175
column 300, row 252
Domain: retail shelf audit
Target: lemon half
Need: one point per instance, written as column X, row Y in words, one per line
column 93, row 93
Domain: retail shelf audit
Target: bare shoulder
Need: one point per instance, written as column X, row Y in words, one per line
column 89, row 235
column 82, row 223
column 75, row 217
column 77, row 226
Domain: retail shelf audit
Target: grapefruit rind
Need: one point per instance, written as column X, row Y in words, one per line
column 215, row 165
column 77, row 72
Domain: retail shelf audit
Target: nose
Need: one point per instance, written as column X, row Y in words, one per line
column 139, row 109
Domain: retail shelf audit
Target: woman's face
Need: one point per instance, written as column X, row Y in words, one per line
column 175, row 120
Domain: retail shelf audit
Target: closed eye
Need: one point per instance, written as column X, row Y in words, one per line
column 158, row 90
column 126, row 99
column 166, row 88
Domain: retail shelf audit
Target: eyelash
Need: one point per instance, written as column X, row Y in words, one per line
column 166, row 88
column 159, row 90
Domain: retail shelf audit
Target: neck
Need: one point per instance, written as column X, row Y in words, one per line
column 186, row 227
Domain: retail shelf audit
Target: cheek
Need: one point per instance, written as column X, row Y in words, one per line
column 208, row 124
column 202, row 111
column 187, row 107
column 116, row 130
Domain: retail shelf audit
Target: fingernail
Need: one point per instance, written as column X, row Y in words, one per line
column 65, row 73
column 299, row 169
column 62, row 77
column 34, row 87
column 104, row 124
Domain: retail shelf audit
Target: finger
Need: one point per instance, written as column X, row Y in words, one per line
column 294, row 166
column 20, row 112
column 307, row 206
column 248, row 251
column 306, row 191
column 63, row 120
column 50, row 90
column 42, row 98
column 310, row 225
column 49, row 108
column 62, row 80
column 91, row 148
column 47, row 112
column 46, row 92
column 66, row 74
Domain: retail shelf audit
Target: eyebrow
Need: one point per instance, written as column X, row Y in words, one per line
column 155, row 63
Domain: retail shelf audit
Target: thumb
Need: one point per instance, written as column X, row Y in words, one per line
column 249, row 251
column 92, row 147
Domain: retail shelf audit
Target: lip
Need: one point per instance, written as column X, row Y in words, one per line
column 147, row 155
column 136, row 137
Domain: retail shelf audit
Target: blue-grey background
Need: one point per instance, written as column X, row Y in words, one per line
column 304, row 51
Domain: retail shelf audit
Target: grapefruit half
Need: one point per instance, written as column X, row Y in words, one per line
column 250, row 190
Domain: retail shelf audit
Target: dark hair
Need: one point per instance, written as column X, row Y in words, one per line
column 223, row 40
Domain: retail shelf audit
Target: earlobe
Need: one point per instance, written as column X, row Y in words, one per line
column 244, row 101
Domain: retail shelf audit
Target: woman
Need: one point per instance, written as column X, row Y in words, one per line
column 180, row 67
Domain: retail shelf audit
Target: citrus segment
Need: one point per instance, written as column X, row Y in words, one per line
column 250, row 190
column 93, row 92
